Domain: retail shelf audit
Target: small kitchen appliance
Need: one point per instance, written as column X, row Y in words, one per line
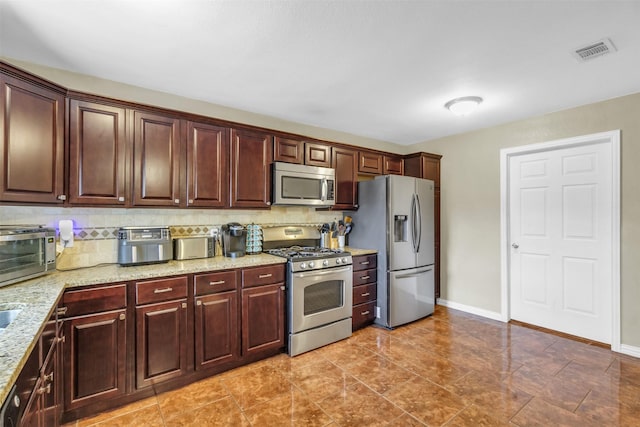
column 303, row 185
column 233, row 240
column 194, row 247
column 319, row 287
column 26, row 251
column 144, row 245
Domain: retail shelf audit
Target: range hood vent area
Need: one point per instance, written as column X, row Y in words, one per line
column 594, row 50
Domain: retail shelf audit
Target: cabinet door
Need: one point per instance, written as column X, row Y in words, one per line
column 262, row 318
column 50, row 394
column 97, row 144
column 251, row 157
column 94, row 358
column 207, row 165
column 288, row 150
column 393, row 165
column 317, row 155
column 345, row 162
column 32, row 143
column 216, row 329
column 156, row 165
column 370, row 163
column 161, row 342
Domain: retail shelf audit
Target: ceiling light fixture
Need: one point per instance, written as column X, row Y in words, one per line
column 463, row 106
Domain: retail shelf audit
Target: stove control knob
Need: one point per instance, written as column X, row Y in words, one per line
column 344, row 260
column 338, row 261
column 312, row 264
column 303, row 265
column 325, row 263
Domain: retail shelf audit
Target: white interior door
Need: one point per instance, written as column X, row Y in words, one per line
column 560, row 229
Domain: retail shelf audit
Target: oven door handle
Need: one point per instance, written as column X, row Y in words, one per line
column 322, row 273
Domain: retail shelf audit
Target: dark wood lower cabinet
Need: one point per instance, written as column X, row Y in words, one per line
column 161, row 342
column 186, row 328
column 94, row 358
column 262, row 318
column 216, row 329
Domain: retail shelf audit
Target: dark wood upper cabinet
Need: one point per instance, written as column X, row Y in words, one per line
column 156, row 163
column 32, row 144
column 370, row 162
column 423, row 165
column 207, row 165
column 317, row 155
column 98, row 149
column 345, row 162
column 288, row 150
column 251, row 158
column 393, row 165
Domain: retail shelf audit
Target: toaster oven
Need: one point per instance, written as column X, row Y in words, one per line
column 26, row 252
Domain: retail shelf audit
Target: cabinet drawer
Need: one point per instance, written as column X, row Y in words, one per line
column 363, row 314
column 211, row 283
column 364, row 293
column 161, row 290
column 262, row 275
column 365, row 276
column 365, row 262
column 94, row 300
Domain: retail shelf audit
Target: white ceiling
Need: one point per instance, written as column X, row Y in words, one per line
column 381, row 69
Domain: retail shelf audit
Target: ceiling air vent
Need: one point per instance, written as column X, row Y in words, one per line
column 599, row 48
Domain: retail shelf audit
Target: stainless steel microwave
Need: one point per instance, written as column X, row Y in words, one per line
column 303, row 185
column 26, row 252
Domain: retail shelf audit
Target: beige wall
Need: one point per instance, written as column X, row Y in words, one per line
column 471, row 201
column 108, row 88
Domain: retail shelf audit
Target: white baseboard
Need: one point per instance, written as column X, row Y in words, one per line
column 470, row 309
column 630, row 350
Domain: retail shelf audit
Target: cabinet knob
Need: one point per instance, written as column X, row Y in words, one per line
column 48, row 377
column 43, row 390
column 62, row 197
column 122, row 316
column 198, row 302
column 121, row 199
column 184, row 305
column 176, row 201
column 268, row 203
column 282, row 288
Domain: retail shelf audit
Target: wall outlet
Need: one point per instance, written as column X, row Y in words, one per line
column 65, row 228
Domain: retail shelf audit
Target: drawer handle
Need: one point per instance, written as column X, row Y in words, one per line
column 364, row 313
column 365, row 277
column 161, row 291
column 43, row 390
column 365, row 263
column 62, row 311
column 366, row 294
column 264, row 276
column 219, row 282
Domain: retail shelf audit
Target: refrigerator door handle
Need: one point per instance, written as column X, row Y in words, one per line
column 414, row 274
column 419, row 221
column 413, row 222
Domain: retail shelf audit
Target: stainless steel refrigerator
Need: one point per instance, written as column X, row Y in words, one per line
column 395, row 217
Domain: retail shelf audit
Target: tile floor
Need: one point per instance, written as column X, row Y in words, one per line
column 450, row 369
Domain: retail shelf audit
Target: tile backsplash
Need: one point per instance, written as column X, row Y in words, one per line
column 95, row 229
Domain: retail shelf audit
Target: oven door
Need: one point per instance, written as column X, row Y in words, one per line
column 317, row 298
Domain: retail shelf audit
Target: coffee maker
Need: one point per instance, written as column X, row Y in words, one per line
column 234, row 238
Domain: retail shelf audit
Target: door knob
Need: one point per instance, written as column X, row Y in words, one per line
column 515, row 246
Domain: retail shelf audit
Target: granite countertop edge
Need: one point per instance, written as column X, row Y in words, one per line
column 38, row 298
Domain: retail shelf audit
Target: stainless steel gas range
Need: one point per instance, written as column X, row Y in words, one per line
column 319, row 287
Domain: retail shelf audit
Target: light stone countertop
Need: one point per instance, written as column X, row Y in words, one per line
column 38, row 297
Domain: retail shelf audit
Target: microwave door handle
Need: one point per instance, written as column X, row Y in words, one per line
column 325, row 190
